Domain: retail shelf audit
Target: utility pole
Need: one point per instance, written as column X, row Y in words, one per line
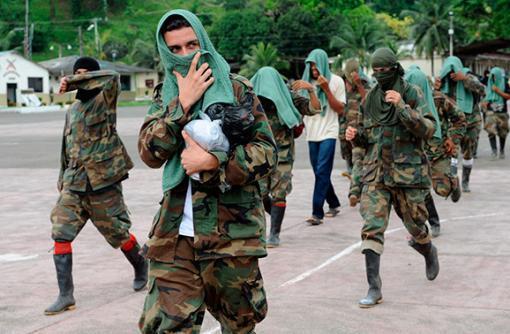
column 25, row 40
column 30, row 39
column 96, row 34
column 450, row 32
column 80, row 40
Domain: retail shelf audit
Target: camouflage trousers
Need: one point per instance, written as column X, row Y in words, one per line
column 179, row 292
column 279, row 184
column 358, row 154
column 409, row 204
column 469, row 142
column 105, row 208
column 496, row 124
column 443, row 181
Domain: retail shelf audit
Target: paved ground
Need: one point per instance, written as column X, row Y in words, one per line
column 313, row 281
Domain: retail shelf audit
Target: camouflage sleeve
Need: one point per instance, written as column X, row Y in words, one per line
column 106, row 80
column 64, row 160
column 252, row 161
column 474, row 85
column 360, row 140
column 456, row 120
column 160, row 135
column 303, row 105
column 419, row 120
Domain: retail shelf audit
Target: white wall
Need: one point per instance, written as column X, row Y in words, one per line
column 424, row 64
column 16, row 69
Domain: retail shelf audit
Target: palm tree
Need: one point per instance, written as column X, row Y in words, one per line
column 430, row 28
column 144, row 54
column 262, row 55
column 360, row 41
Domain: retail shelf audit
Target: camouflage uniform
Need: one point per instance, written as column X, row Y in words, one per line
column 395, row 171
column 93, row 163
column 453, row 126
column 279, row 184
column 218, row 266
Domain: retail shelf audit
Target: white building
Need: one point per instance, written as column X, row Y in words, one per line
column 22, row 82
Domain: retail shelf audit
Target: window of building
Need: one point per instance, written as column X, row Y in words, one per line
column 125, row 82
column 149, row 83
column 36, row 84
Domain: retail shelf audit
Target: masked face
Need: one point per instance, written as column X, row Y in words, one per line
column 385, row 76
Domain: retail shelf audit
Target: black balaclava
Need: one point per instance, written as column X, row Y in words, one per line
column 91, row 65
column 384, row 57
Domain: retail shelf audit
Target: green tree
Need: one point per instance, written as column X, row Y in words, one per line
column 262, row 55
column 144, row 54
column 430, row 28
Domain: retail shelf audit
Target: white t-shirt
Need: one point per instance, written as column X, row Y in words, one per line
column 186, row 227
column 319, row 128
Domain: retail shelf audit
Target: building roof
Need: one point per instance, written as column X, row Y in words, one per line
column 64, row 66
column 476, row 48
column 14, row 52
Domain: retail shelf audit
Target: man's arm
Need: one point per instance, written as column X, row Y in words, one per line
column 472, row 84
column 456, row 120
column 334, row 98
column 106, row 80
column 160, row 135
column 303, row 105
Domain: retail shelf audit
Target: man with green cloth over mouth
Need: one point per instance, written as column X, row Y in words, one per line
column 207, row 235
column 284, row 110
column 496, row 113
column 463, row 87
column 395, row 123
column 450, row 128
column 322, row 131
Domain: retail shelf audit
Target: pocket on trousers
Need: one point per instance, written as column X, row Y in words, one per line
column 253, row 291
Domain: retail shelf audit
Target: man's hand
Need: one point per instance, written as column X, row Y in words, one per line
column 323, row 83
column 356, row 79
column 437, row 84
column 194, row 85
column 350, row 133
column 63, row 86
column 195, row 159
column 450, row 148
column 301, row 84
column 393, row 97
column 459, row 76
column 496, row 89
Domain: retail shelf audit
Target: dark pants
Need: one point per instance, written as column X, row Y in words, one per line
column 322, row 154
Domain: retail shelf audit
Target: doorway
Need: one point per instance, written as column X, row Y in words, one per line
column 11, row 94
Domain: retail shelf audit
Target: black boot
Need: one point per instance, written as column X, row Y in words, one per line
column 277, row 213
column 65, row 300
column 433, row 215
column 140, row 266
column 494, row 147
column 374, row 296
column 466, row 171
column 267, row 204
column 429, row 252
column 502, row 147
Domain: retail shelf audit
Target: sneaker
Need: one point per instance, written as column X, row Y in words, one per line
column 435, row 230
column 333, row 212
column 494, row 156
column 314, row 221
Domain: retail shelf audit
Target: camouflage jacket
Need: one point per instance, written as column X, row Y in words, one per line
column 453, row 125
column 284, row 137
column 230, row 223
column 478, row 89
column 352, row 109
column 93, row 156
column 395, row 156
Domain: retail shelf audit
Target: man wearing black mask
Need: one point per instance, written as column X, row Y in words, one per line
column 93, row 164
column 395, row 122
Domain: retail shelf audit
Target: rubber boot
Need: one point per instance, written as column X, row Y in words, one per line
column 277, row 213
column 140, row 266
column 435, row 225
column 429, row 252
column 494, row 147
column 466, row 172
column 65, row 300
column 374, row 296
column 267, row 204
column 456, row 193
column 502, row 141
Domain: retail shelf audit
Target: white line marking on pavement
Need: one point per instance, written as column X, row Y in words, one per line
column 352, row 247
column 11, row 257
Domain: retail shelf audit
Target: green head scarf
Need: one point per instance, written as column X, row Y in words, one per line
column 268, row 83
column 376, row 107
column 220, row 91
column 416, row 77
column 496, row 78
column 320, row 58
column 463, row 96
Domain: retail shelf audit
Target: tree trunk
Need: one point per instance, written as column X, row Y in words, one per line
column 432, row 63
